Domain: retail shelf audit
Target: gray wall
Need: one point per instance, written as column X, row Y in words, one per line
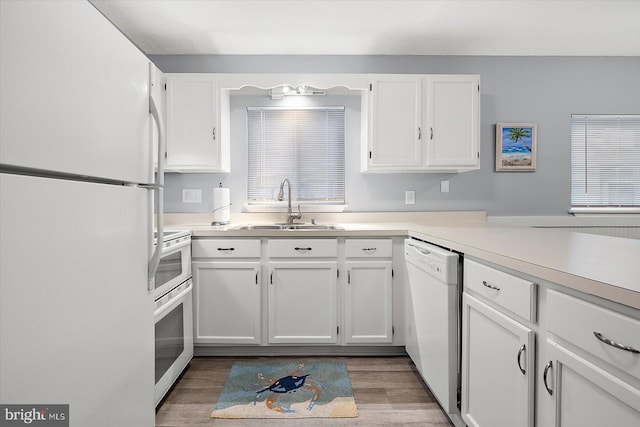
column 545, row 90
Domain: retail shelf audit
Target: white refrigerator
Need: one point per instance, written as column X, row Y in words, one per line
column 76, row 215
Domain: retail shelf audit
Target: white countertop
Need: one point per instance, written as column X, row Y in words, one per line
column 607, row 267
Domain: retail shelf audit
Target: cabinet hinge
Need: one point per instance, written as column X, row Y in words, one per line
column 370, row 87
column 369, row 154
column 165, row 154
column 165, row 86
column 338, row 272
column 392, row 273
column 337, row 330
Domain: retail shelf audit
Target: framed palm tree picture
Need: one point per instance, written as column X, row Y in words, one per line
column 516, row 147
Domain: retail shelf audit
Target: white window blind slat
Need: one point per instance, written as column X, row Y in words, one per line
column 605, row 161
column 305, row 145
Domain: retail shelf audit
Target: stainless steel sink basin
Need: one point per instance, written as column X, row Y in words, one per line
column 289, row 227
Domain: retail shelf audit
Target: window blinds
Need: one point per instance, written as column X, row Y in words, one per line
column 605, row 161
column 305, row 145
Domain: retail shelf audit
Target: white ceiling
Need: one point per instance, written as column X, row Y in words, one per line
column 379, row 27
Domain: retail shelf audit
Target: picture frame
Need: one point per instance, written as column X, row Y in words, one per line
column 516, row 146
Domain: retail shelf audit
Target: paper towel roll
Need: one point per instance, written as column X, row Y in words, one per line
column 221, row 206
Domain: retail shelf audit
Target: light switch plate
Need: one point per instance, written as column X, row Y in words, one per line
column 192, row 196
column 410, row 197
column 444, row 186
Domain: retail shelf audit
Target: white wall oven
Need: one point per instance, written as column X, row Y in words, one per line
column 175, row 262
column 173, row 314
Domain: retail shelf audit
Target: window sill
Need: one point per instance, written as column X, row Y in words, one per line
column 604, row 210
column 304, row 208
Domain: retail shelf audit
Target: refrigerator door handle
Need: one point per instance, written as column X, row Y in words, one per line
column 158, row 187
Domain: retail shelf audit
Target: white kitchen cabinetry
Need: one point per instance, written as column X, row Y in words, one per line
column 368, row 291
column 195, row 142
column 498, row 354
column 394, row 123
column 227, row 296
column 423, row 123
column 302, row 291
column 451, row 122
column 590, row 381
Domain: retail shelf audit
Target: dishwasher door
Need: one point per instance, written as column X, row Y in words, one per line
column 432, row 332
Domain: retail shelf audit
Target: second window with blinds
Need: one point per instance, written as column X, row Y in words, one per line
column 306, row 145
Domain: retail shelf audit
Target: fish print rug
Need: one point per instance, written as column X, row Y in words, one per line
column 287, row 389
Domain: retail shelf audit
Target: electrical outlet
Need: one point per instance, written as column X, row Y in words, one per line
column 410, row 197
column 192, row 196
column 444, row 186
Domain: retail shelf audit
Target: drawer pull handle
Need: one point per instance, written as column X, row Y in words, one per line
column 226, row 249
column 302, row 249
column 486, row 285
column 615, row 344
column 369, row 250
column 522, row 350
column 544, row 377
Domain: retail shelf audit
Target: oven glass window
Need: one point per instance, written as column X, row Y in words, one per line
column 169, row 340
column 170, row 267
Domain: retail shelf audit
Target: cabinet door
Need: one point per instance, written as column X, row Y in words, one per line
column 193, row 135
column 395, row 121
column 227, row 302
column 368, row 302
column 302, row 302
column 584, row 395
column 497, row 368
column 451, row 111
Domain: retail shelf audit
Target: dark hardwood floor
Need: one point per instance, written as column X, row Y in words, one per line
column 388, row 392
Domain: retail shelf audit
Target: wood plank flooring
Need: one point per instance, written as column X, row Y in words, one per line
column 388, row 392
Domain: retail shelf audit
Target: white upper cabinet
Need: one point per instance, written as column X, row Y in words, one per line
column 194, row 139
column 450, row 109
column 394, row 123
column 423, row 123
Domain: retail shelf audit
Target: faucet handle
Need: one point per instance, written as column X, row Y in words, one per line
column 296, row 215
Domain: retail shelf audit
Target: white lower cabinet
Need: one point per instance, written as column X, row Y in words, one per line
column 368, row 302
column 585, row 395
column 226, row 291
column 227, row 296
column 591, row 372
column 302, row 302
column 497, row 368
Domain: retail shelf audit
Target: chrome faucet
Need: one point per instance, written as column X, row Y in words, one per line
column 290, row 215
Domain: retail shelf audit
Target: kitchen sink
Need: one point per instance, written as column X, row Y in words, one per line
column 289, row 227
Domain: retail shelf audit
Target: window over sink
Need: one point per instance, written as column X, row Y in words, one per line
column 304, row 144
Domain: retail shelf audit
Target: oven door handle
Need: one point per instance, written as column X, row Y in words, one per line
column 172, row 302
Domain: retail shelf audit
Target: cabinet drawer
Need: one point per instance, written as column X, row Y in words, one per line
column 303, row 248
column 577, row 322
column 510, row 292
column 225, row 248
column 368, row 248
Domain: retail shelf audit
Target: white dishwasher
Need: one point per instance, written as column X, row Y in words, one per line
column 432, row 339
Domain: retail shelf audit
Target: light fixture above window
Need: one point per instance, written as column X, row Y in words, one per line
column 287, row 90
